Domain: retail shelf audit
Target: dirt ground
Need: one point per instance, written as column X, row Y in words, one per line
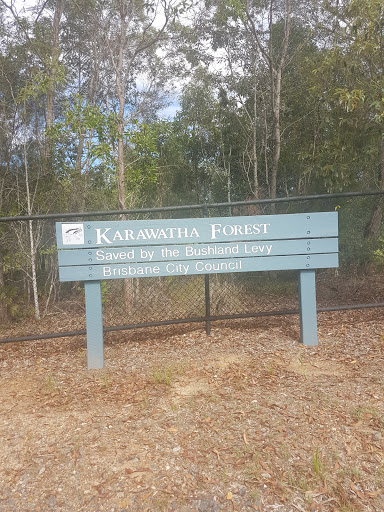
column 246, row 419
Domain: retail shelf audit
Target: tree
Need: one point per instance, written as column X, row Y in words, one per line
column 130, row 36
column 255, row 36
column 349, row 84
column 275, row 60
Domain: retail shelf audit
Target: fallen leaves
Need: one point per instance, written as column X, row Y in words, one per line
column 137, row 475
column 363, row 495
column 245, row 442
column 373, row 494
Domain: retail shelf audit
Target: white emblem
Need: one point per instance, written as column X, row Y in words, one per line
column 72, row 234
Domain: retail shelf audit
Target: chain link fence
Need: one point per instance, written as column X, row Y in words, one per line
column 358, row 282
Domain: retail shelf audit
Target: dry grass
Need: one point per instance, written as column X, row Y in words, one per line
column 246, row 419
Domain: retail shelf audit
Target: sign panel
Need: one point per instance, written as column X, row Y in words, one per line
column 108, row 255
column 193, row 267
column 190, row 231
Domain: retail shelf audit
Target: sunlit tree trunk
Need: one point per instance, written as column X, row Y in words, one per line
column 32, row 251
column 254, row 142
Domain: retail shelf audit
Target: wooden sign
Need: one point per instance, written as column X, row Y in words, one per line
column 93, row 251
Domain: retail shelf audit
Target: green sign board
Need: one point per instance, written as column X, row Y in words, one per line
column 93, row 251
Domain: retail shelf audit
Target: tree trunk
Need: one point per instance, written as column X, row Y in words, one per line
column 120, row 89
column 276, row 105
column 4, row 313
column 275, row 68
column 254, row 148
column 59, row 7
column 34, row 274
column 32, row 253
column 90, row 99
column 372, row 229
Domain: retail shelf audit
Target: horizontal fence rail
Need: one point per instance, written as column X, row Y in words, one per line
column 159, row 301
column 202, row 319
column 202, row 207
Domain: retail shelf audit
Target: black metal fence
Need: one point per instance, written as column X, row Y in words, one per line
column 357, row 283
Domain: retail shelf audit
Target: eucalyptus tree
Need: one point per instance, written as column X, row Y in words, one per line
column 17, row 144
column 114, row 55
column 31, row 71
column 348, row 82
column 258, row 54
column 85, row 57
column 363, row 89
column 198, row 132
column 255, row 19
column 8, row 75
column 132, row 38
column 253, row 39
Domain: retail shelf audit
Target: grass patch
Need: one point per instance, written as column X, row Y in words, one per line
column 105, row 382
column 51, row 384
column 318, row 465
column 164, row 375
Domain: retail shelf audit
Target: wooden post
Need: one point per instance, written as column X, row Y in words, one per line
column 308, row 312
column 207, row 291
column 94, row 322
column 207, row 295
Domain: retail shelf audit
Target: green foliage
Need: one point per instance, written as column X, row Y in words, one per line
column 106, row 289
column 42, row 82
column 331, row 113
column 97, row 126
column 230, row 8
column 349, row 83
column 143, row 156
column 49, row 251
column 332, row 108
column 379, row 253
column 350, row 99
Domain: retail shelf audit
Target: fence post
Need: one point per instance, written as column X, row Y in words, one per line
column 207, row 292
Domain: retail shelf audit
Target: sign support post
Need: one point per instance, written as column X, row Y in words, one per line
column 308, row 312
column 94, row 323
column 207, row 292
column 207, row 295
